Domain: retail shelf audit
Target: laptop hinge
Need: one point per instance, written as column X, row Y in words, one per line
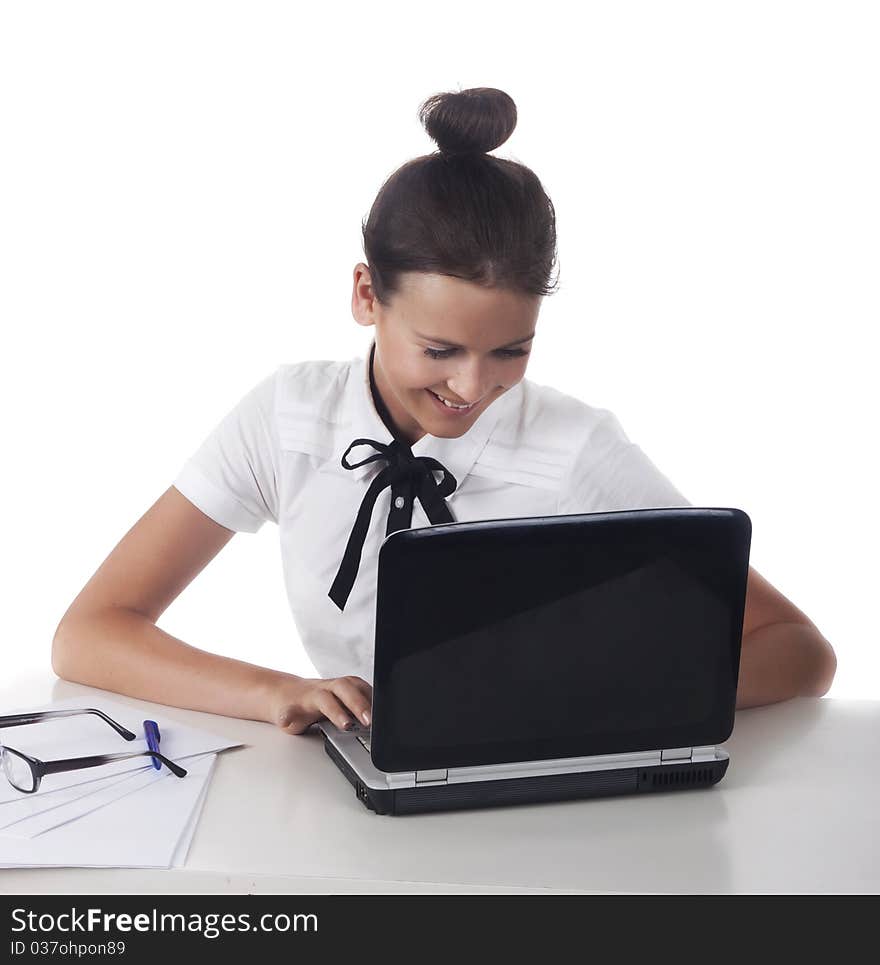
column 704, row 753
column 436, row 776
column 676, row 754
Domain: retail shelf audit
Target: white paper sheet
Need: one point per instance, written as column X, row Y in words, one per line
column 30, row 804
column 182, row 849
column 88, row 735
column 61, row 814
column 133, row 816
column 148, row 829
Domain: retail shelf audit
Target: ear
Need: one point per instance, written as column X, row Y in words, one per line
column 363, row 302
column 766, row 605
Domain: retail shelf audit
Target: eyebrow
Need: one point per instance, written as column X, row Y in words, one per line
column 441, row 341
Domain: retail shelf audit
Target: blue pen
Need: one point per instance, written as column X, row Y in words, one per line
column 151, row 729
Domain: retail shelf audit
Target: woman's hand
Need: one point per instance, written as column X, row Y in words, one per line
column 298, row 702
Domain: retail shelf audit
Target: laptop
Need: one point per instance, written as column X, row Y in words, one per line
column 551, row 658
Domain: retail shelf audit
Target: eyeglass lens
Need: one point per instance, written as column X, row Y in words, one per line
column 17, row 771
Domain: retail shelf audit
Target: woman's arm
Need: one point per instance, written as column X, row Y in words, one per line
column 108, row 637
column 783, row 660
column 783, row 653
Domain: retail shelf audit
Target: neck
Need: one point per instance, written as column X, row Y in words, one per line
column 381, row 408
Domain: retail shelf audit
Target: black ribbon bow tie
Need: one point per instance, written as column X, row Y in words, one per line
column 409, row 477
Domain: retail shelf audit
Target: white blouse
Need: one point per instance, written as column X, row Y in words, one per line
column 277, row 456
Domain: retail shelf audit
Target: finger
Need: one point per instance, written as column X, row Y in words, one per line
column 333, row 709
column 365, row 688
column 357, row 695
column 297, row 716
column 353, row 697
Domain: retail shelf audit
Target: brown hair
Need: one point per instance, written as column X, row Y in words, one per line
column 461, row 211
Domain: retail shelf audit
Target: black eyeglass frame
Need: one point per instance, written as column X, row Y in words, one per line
column 39, row 769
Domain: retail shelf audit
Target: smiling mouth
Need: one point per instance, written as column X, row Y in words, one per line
column 454, row 405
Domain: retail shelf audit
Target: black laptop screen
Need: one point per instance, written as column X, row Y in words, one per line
column 594, row 634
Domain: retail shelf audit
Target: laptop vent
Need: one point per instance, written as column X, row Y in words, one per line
column 683, row 778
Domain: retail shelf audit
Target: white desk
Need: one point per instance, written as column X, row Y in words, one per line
column 797, row 812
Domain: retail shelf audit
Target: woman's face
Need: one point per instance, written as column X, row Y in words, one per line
column 446, row 337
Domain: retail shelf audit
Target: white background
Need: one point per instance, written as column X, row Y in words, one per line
column 183, row 186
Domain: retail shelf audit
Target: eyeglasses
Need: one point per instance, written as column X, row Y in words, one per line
column 25, row 773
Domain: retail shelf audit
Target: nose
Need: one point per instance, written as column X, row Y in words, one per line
column 472, row 381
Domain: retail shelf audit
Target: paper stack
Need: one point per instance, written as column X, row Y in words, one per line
column 121, row 815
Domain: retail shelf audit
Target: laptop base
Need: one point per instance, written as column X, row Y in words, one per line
column 530, row 790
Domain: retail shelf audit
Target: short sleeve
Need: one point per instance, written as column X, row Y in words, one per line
column 610, row 473
column 232, row 477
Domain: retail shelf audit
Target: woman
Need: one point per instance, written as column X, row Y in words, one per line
column 436, row 423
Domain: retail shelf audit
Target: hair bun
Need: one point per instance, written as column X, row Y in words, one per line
column 471, row 121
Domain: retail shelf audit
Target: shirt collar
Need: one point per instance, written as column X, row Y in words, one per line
column 362, row 421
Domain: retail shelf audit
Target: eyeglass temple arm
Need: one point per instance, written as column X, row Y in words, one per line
column 17, row 720
column 75, row 763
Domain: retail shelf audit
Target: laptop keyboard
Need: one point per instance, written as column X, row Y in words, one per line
column 363, row 734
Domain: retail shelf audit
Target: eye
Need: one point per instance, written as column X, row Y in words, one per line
column 507, row 353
